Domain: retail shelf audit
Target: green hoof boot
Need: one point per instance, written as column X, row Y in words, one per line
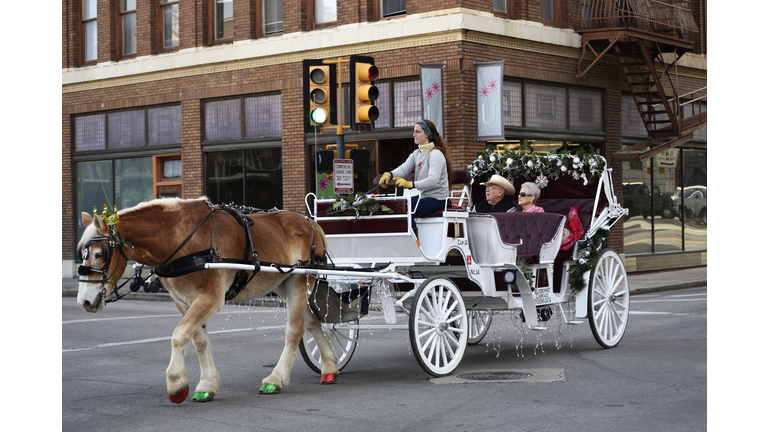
column 269, row 389
column 202, row 397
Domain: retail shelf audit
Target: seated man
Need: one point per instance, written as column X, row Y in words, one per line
column 497, row 191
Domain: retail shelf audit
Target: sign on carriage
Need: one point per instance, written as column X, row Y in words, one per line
column 343, row 176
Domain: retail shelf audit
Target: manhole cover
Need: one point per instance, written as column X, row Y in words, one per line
column 494, row 376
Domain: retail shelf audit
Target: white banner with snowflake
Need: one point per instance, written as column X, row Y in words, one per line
column 490, row 111
column 432, row 94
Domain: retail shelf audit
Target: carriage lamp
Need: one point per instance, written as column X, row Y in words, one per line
column 510, row 276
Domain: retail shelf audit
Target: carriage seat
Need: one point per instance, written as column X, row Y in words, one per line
column 540, row 233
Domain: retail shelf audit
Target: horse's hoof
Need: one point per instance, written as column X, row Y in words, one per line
column 329, row 378
column 180, row 396
column 203, row 396
column 269, row 389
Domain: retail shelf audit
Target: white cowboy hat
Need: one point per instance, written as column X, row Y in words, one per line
column 502, row 182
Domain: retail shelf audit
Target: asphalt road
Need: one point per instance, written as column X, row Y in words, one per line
column 113, row 375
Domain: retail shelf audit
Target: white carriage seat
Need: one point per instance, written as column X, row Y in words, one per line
column 537, row 235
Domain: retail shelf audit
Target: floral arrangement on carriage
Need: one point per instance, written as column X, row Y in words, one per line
column 360, row 203
column 585, row 165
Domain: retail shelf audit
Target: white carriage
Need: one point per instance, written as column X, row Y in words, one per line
column 464, row 265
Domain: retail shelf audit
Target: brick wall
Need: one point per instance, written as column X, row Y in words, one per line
column 107, row 31
column 612, row 110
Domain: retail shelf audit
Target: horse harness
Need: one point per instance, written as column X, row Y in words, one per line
column 197, row 261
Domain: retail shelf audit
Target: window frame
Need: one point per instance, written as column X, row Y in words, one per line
column 380, row 11
column 83, row 23
column 262, row 19
column 161, row 5
column 508, row 13
column 556, row 14
column 119, row 25
column 311, row 17
column 212, row 24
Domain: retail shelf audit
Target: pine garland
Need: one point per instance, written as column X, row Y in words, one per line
column 586, row 258
column 585, row 165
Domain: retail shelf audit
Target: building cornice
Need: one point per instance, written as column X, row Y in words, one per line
column 439, row 27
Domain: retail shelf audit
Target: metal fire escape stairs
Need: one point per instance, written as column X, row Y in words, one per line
column 650, row 68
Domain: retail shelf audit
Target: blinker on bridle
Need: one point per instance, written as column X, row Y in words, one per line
column 114, row 240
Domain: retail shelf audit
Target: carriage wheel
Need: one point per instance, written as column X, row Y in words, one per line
column 344, row 341
column 608, row 299
column 478, row 325
column 438, row 326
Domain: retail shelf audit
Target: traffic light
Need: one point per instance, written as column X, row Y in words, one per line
column 320, row 98
column 362, row 76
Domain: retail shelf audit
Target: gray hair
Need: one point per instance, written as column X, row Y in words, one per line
column 534, row 189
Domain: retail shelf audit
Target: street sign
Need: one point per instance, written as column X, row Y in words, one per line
column 343, row 176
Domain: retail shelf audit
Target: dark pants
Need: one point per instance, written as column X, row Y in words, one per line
column 426, row 206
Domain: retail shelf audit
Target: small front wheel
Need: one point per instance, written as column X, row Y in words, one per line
column 608, row 299
column 343, row 340
column 479, row 323
column 438, row 326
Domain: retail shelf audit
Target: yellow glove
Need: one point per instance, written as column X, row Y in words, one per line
column 385, row 178
column 403, row 183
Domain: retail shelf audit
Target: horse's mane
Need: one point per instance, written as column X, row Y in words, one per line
column 170, row 204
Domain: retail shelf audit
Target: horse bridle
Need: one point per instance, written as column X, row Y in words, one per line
column 114, row 240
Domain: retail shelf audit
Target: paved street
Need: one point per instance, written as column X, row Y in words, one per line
column 113, row 375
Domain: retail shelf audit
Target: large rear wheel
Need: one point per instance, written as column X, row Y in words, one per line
column 479, row 323
column 438, row 326
column 608, row 299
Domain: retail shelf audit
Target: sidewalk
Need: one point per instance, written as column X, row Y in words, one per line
column 639, row 283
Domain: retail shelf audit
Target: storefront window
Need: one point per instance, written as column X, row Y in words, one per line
column 692, row 199
column 253, row 177
column 668, row 229
column 93, row 188
column 637, row 198
column 133, row 181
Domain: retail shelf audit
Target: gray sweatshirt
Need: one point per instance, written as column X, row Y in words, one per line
column 431, row 174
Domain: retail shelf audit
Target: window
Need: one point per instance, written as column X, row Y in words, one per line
column 586, row 110
column 551, row 12
column 500, row 6
column 392, row 8
column 545, row 106
column 243, row 117
column 325, row 11
column 127, row 24
column 128, row 129
column 407, row 103
column 223, row 19
column 88, row 30
column 252, row 177
column 273, row 16
column 169, row 15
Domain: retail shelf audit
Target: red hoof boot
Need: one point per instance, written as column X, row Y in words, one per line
column 180, row 396
column 329, row 378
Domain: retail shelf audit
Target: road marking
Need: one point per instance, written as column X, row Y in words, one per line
column 664, row 313
column 167, row 338
column 666, row 300
column 120, row 318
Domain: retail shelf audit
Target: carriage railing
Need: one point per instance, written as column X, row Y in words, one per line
column 670, row 18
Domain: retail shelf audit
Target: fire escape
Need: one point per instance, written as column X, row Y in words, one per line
column 646, row 37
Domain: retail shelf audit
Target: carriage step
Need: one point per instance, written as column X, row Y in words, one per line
column 574, row 322
column 538, row 328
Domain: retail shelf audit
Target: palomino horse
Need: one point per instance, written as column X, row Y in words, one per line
column 150, row 233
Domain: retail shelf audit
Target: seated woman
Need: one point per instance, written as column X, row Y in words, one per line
column 529, row 194
column 431, row 166
column 497, row 191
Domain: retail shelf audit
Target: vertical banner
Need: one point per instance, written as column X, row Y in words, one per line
column 432, row 94
column 490, row 113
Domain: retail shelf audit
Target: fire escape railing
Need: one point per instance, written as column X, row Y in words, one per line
column 670, row 18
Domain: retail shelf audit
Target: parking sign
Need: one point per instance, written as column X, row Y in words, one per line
column 343, row 176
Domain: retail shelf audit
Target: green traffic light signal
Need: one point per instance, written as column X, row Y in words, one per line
column 318, row 115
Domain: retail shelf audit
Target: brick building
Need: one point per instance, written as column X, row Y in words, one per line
column 204, row 97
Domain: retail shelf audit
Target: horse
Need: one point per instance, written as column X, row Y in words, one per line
column 153, row 232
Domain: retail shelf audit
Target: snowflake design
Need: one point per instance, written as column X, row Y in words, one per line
column 484, row 92
column 542, row 181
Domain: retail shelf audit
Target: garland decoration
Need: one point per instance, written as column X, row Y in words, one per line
column 586, row 258
column 526, row 271
column 361, row 204
column 585, row 165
